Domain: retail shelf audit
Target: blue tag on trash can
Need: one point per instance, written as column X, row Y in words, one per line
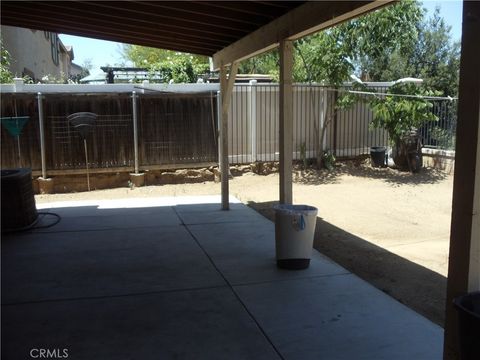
column 298, row 222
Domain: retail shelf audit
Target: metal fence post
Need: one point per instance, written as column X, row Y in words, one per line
column 253, row 119
column 135, row 130
column 219, row 124
column 42, row 134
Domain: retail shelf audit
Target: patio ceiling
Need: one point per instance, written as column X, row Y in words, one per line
column 227, row 30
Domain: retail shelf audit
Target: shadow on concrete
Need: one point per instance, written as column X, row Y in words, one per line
column 415, row 286
column 392, row 176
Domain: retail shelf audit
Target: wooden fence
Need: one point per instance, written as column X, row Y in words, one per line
column 172, row 129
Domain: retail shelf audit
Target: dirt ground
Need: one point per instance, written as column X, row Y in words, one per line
column 389, row 227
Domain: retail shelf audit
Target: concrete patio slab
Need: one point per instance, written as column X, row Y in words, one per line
column 40, row 267
column 245, row 252
column 199, row 324
column 77, row 219
column 339, row 317
column 175, row 278
column 194, row 214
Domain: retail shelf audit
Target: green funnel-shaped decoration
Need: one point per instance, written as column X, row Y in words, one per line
column 14, row 125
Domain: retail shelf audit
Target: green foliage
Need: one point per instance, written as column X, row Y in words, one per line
column 360, row 45
column 394, row 42
column 375, row 37
column 267, row 63
column 323, row 57
column 347, row 99
column 332, row 55
column 55, row 79
column 436, row 58
column 445, row 140
column 6, row 76
column 433, row 57
column 176, row 66
column 391, row 43
column 181, row 70
column 397, row 114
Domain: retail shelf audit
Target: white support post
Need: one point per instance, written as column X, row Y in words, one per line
column 219, row 128
column 286, row 121
column 135, row 130
column 253, row 120
column 226, row 88
column 42, row 134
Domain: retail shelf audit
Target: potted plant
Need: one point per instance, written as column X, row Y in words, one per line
column 401, row 112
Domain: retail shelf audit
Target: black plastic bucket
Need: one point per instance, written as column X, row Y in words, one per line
column 468, row 307
column 377, row 154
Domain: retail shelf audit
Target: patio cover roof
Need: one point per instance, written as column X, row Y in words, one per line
column 227, row 30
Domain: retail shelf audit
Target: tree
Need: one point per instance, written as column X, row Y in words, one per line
column 394, row 42
column 401, row 115
column 435, row 58
column 373, row 39
column 86, row 67
column 391, row 43
column 324, row 58
column 172, row 65
column 267, row 63
column 6, row 75
column 363, row 46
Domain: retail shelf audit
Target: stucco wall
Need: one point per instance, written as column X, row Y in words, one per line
column 32, row 50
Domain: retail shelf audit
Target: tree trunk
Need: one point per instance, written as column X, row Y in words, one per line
column 407, row 152
column 320, row 131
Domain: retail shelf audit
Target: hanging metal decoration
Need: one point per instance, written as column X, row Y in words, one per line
column 83, row 122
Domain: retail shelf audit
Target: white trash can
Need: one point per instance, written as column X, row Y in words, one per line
column 294, row 232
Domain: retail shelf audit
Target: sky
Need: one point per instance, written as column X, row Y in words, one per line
column 99, row 51
column 451, row 11
column 106, row 52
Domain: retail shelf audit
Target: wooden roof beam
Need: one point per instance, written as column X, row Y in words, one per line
column 301, row 21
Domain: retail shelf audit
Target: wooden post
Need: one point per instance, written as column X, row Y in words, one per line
column 226, row 87
column 286, row 121
column 464, row 257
